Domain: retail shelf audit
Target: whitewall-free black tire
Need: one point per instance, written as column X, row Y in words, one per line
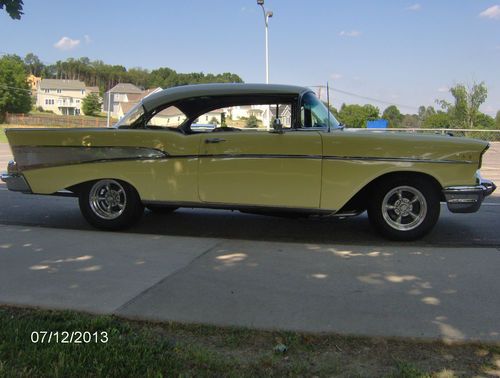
column 404, row 208
column 110, row 204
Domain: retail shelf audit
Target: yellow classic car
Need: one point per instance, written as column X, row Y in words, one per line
column 188, row 147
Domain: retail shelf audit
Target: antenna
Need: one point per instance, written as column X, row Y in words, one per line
column 328, row 102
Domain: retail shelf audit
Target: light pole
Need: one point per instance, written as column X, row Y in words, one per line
column 267, row 16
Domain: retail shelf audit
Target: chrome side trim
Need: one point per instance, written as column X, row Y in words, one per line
column 405, row 160
column 32, row 157
column 256, row 156
column 348, row 158
column 16, row 182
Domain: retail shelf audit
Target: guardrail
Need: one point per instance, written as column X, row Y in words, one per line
column 484, row 134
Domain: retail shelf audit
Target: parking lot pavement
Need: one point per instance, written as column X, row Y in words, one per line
column 429, row 292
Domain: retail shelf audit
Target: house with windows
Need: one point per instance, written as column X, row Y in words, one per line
column 120, row 93
column 63, row 97
column 121, row 108
column 33, row 82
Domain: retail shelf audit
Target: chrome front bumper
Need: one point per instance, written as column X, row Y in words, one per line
column 468, row 199
column 15, row 182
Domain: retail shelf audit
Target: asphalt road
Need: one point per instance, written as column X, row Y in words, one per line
column 227, row 268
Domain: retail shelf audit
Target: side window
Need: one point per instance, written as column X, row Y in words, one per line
column 168, row 117
column 313, row 113
column 249, row 117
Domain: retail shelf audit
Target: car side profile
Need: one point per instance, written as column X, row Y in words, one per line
column 164, row 155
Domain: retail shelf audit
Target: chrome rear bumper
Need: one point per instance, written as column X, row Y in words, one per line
column 15, row 182
column 468, row 199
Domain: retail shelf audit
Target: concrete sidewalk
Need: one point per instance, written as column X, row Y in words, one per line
column 407, row 290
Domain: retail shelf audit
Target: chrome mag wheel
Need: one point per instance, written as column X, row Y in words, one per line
column 107, row 199
column 404, row 208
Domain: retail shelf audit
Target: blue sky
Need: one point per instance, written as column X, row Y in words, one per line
column 403, row 52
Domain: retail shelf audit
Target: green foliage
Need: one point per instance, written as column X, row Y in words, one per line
column 465, row 110
column 357, row 115
column 394, row 116
column 497, row 120
column 15, row 95
column 105, row 76
column 13, row 7
column 252, row 121
column 33, row 64
column 214, row 121
column 484, row 121
column 165, row 77
column 91, row 105
column 411, row 121
column 424, row 112
column 439, row 120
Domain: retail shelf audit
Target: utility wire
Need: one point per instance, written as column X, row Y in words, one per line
column 364, row 97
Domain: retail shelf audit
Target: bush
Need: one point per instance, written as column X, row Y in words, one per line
column 252, row 121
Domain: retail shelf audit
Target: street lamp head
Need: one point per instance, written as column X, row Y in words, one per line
column 260, row 2
column 269, row 14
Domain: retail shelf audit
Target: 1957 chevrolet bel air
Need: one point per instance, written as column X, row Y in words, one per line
column 160, row 157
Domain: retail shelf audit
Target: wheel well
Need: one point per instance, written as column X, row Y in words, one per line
column 360, row 199
column 78, row 187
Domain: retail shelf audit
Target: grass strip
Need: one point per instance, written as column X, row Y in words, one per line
column 136, row 348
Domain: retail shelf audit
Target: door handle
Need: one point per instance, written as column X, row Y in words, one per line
column 214, row 140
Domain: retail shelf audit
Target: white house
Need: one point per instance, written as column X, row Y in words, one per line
column 122, row 92
column 63, row 97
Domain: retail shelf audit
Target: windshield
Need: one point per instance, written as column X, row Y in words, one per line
column 314, row 113
column 133, row 115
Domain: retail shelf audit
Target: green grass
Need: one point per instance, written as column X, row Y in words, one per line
column 3, row 138
column 171, row 349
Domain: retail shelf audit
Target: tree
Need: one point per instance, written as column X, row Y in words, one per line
column 91, row 105
column 439, row 120
column 484, row 121
column 214, row 121
column 497, row 120
column 13, row 7
column 464, row 112
column 15, row 95
column 394, row 116
column 252, row 121
column 33, row 64
column 411, row 121
column 357, row 115
column 424, row 112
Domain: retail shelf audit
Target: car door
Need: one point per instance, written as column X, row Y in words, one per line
column 261, row 168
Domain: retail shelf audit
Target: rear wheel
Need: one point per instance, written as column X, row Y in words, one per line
column 404, row 208
column 110, row 204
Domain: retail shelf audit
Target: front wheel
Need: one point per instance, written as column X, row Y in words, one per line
column 110, row 204
column 404, row 209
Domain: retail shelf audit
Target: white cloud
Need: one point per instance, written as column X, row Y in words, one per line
column 66, row 43
column 492, row 12
column 415, row 7
column 352, row 33
column 443, row 89
column 336, row 76
column 87, row 39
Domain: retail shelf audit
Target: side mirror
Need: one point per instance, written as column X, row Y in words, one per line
column 277, row 126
